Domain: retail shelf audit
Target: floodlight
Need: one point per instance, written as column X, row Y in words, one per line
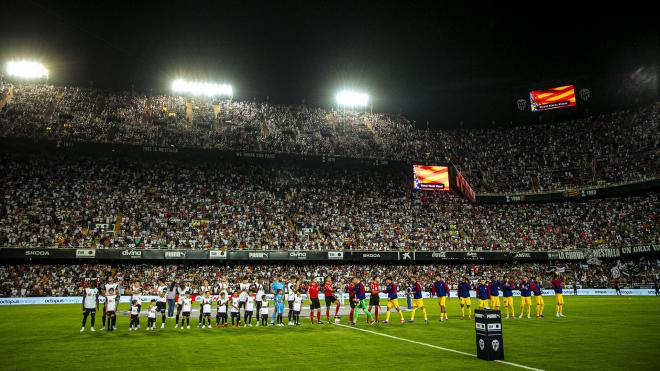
column 350, row 98
column 26, row 69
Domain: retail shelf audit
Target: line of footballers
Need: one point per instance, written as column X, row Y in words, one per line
column 230, row 302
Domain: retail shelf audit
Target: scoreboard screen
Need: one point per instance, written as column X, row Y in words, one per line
column 430, row 177
column 559, row 97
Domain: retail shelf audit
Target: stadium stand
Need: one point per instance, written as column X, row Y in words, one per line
column 72, row 201
column 611, row 148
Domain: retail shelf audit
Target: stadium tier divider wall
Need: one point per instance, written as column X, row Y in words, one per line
column 209, row 256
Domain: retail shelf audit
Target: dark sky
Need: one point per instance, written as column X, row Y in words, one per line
column 431, row 61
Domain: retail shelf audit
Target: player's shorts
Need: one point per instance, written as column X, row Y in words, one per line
column 290, row 305
column 236, row 314
column 539, row 300
column 352, row 300
column 494, row 301
column 466, row 301
column 418, row 303
column 160, row 306
column 329, row 300
column 88, row 311
column 526, row 300
column 374, row 300
column 314, row 303
column 392, row 303
column 280, row 308
column 241, row 304
column 483, row 303
column 248, row 312
column 110, row 312
column 559, row 298
column 185, row 314
column 442, row 300
column 507, row 301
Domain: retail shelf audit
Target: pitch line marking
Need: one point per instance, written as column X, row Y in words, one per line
column 435, row 346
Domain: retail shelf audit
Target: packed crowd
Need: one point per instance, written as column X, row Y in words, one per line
column 69, row 280
column 613, row 148
column 111, row 203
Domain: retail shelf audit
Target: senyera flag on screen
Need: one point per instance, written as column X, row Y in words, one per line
column 559, row 97
column 430, row 177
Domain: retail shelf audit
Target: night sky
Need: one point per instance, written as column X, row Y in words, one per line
column 427, row 60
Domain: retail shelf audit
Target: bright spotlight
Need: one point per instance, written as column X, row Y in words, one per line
column 349, row 98
column 26, row 69
column 202, row 88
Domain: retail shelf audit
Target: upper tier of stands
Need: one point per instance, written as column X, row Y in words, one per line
column 612, row 148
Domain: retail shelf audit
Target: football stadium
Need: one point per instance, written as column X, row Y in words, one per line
column 328, row 185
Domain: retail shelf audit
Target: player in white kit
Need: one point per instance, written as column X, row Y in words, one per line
column 111, row 285
column 202, row 290
column 135, row 315
column 249, row 309
column 136, row 296
column 297, row 306
column 263, row 311
column 206, row 309
column 161, row 306
column 186, row 308
column 181, row 293
column 90, row 305
column 111, row 309
column 151, row 315
column 221, row 316
column 234, row 302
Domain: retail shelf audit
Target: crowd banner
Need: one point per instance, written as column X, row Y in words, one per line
column 9, row 301
column 137, row 255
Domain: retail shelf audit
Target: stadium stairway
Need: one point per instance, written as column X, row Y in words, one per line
column 7, row 97
column 373, row 131
column 118, row 223
column 53, row 105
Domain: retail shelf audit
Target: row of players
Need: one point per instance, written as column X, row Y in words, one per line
column 230, row 302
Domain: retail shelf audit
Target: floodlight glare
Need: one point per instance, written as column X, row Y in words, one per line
column 26, row 69
column 349, row 98
column 201, row 88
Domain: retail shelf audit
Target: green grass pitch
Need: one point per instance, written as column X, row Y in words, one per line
column 598, row 333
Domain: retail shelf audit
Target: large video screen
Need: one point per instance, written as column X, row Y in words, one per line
column 431, row 178
column 559, row 97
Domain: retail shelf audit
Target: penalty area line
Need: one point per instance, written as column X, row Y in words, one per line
column 435, row 346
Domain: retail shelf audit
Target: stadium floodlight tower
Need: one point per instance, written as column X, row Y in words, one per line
column 352, row 99
column 26, row 70
column 208, row 89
